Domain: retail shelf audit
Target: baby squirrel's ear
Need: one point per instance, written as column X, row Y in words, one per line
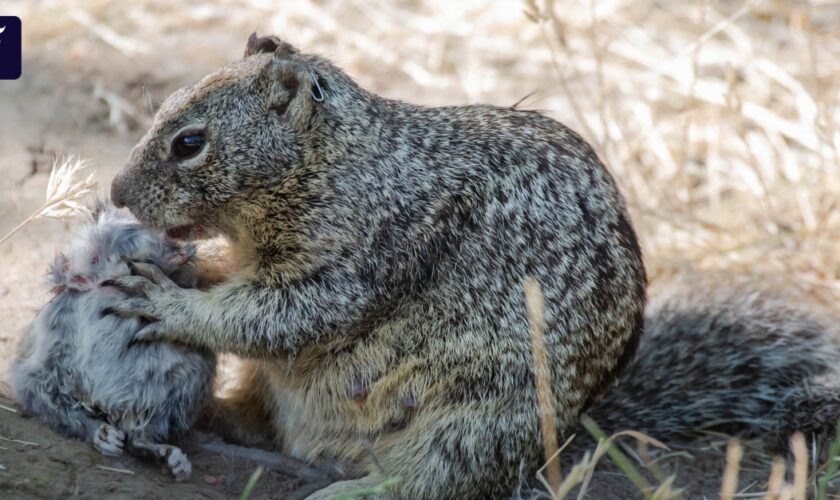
column 61, row 278
column 267, row 44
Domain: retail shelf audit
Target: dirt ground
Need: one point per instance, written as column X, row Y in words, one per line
column 86, row 93
column 37, row 463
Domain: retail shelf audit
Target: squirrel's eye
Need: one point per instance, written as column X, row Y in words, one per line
column 187, row 144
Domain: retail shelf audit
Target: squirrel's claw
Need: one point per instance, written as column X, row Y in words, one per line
column 133, row 308
column 152, row 273
column 135, row 286
column 148, row 290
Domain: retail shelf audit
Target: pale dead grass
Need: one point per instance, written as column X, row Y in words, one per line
column 719, row 119
column 66, row 194
column 535, row 305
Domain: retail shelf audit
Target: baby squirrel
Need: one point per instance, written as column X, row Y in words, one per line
column 382, row 248
column 76, row 369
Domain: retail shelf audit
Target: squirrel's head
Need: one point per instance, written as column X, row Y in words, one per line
column 239, row 131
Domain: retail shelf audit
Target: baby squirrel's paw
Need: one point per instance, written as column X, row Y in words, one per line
column 109, row 440
column 178, row 463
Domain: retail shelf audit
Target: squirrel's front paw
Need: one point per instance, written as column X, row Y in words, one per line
column 153, row 298
column 140, row 302
column 108, row 440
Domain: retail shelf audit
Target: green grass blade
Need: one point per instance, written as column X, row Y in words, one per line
column 619, row 459
column 831, row 468
column 252, row 483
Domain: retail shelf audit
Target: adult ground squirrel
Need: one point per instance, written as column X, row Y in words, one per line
column 382, row 248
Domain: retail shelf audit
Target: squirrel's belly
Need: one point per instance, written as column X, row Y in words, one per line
column 333, row 407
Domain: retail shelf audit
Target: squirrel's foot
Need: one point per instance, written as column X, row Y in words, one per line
column 174, row 459
column 177, row 462
column 108, row 440
column 171, row 456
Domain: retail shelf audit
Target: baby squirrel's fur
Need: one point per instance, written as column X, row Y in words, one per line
column 382, row 248
column 76, row 369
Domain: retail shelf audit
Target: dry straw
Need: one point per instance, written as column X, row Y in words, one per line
column 800, row 471
column 777, row 479
column 542, row 372
column 64, row 194
column 734, row 453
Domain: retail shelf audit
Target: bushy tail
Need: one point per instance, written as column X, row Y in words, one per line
column 725, row 354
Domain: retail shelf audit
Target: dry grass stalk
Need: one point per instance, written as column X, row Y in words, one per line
column 620, row 459
column 800, row 470
column 777, row 479
column 542, row 372
column 115, row 469
column 559, row 493
column 734, row 453
column 666, row 490
column 64, row 194
column 582, row 472
column 18, row 441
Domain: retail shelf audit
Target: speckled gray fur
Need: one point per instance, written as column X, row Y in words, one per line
column 382, row 248
column 75, row 369
column 733, row 354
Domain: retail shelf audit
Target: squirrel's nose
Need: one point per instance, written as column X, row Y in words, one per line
column 118, row 191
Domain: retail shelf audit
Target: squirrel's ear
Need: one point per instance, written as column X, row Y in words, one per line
column 267, row 45
column 286, row 74
column 293, row 88
column 57, row 274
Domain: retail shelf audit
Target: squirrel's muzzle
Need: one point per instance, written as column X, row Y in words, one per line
column 119, row 190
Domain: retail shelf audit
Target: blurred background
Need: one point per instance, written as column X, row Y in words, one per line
column 719, row 119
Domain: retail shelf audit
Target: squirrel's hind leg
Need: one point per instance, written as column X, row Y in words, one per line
column 244, row 415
